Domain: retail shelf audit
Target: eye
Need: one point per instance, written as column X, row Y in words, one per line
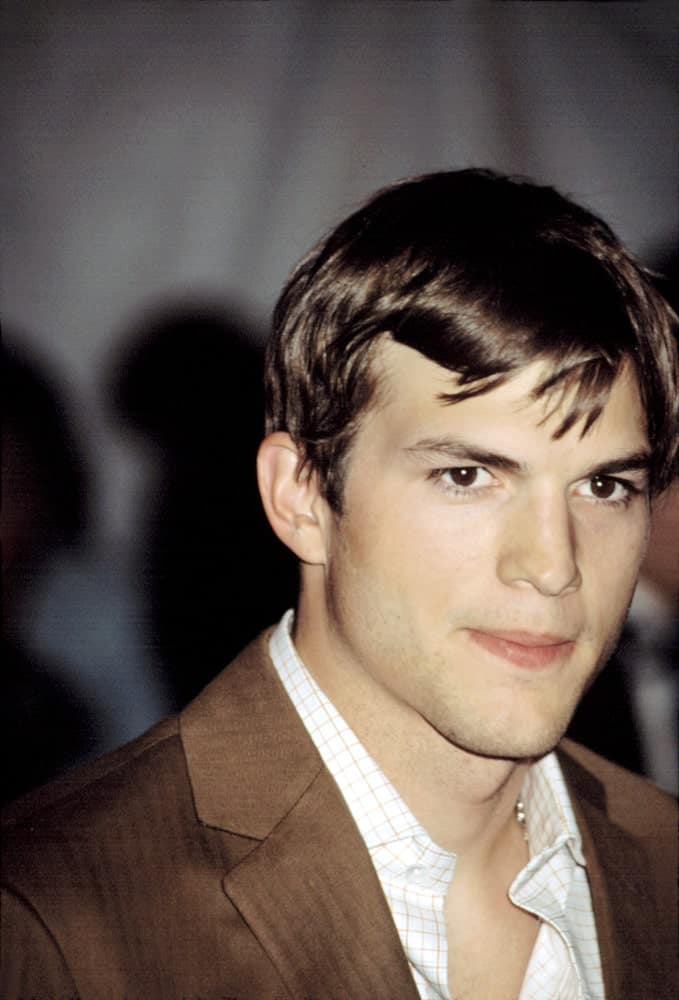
column 603, row 487
column 608, row 489
column 465, row 477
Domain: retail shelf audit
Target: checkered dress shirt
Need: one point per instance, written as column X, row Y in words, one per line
column 415, row 873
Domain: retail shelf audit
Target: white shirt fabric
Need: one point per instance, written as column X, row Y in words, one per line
column 416, row 874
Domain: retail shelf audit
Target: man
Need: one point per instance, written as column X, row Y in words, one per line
column 472, row 395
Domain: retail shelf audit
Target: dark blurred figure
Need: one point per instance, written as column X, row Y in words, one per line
column 190, row 381
column 45, row 724
column 630, row 713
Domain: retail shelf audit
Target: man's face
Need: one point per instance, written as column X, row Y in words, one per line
column 481, row 570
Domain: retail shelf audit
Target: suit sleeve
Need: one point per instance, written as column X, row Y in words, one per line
column 33, row 967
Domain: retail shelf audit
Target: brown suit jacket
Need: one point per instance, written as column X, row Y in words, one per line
column 215, row 858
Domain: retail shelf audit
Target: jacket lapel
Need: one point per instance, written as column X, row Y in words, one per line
column 619, row 875
column 307, row 887
column 310, row 893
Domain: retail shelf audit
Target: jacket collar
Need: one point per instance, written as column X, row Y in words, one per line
column 242, row 782
column 619, row 877
column 297, row 887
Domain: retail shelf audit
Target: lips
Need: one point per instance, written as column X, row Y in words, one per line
column 530, row 650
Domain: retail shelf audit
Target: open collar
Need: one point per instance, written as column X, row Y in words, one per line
column 297, row 887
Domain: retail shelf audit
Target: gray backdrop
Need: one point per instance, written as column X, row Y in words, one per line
column 160, row 151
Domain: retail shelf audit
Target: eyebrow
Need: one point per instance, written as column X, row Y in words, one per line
column 638, row 460
column 461, row 451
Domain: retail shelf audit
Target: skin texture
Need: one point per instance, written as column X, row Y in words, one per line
column 396, row 590
column 416, row 560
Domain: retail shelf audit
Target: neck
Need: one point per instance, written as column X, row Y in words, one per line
column 465, row 802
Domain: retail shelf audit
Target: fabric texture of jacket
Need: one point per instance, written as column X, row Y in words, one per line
column 214, row 859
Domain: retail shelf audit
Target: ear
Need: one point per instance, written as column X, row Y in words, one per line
column 292, row 501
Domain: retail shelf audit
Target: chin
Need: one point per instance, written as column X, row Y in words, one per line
column 505, row 727
column 530, row 745
column 524, row 752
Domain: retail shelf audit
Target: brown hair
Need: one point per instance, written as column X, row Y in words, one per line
column 481, row 274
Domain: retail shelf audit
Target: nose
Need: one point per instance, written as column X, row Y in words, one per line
column 538, row 547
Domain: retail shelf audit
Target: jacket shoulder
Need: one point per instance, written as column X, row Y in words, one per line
column 76, row 785
column 78, row 844
column 629, row 835
column 631, row 802
column 151, row 770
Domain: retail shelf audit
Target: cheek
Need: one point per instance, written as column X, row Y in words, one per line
column 460, row 550
column 612, row 561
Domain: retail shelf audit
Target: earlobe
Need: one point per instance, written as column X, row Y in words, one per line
column 291, row 499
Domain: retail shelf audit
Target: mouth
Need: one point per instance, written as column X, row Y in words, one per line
column 530, row 650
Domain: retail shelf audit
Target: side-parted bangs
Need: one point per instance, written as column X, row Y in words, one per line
column 483, row 275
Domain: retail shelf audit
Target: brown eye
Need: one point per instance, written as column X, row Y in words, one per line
column 464, row 476
column 603, row 487
column 465, row 480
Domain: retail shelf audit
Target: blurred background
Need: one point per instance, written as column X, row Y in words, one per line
column 166, row 163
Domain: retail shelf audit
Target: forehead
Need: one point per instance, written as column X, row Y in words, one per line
column 410, row 405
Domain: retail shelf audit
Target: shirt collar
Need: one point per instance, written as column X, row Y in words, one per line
column 550, row 820
column 379, row 811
